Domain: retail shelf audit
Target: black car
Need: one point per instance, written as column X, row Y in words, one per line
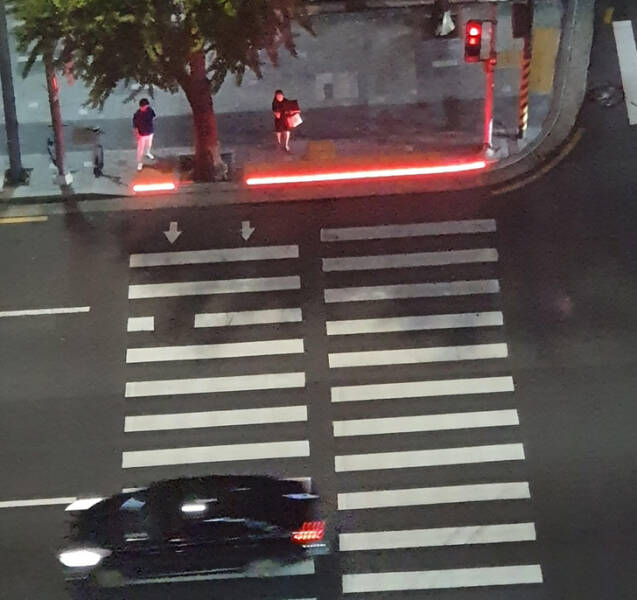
column 210, row 525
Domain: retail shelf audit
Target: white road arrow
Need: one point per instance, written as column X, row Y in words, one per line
column 173, row 232
column 246, row 230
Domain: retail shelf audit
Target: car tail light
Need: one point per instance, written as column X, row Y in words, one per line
column 311, row 531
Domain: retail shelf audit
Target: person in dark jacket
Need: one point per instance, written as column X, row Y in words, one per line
column 281, row 127
column 143, row 125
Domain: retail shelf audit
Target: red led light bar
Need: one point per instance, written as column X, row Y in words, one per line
column 366, row 174
column 311, row 531
column 154, row 187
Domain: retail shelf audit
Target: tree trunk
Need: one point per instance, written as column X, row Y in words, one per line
column 208, row 164
column 56, row 115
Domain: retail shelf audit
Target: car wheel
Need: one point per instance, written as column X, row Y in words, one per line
column 262, row 568
column 109, row 578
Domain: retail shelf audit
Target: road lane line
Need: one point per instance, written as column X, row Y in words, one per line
column 212, row 351
column 443, row 422
column 408, row 356
column 206, row 385
column 439, row 536
column 422, row 389
column 140, row 324
column 414, row 259
column 36, row 502
column 412, row 290
column 627, row 55
column 414, row 323
column 45, row 311
column 249, row 317
column 18, row 220
column 204, row 454
column 406, row 459
column 204, row 288
column 452, row 494
column 218, row 255
column 342, row 234
column 442, row 579
column 216, row 418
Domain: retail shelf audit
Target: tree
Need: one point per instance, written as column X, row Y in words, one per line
column 170, row 44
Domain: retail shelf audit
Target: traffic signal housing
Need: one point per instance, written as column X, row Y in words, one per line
column 472, row 41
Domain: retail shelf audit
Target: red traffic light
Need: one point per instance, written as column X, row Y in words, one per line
column 472, row 41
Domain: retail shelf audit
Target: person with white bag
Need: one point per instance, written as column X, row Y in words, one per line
column 287, row 116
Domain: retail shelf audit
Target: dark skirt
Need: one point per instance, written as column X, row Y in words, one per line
column 281, row 125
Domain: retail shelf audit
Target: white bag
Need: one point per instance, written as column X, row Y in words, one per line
column 446, row 26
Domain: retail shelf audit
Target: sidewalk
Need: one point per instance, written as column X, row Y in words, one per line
column 441, row 116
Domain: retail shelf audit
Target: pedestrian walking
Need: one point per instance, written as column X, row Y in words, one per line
column 286, row 117
column 143, row 125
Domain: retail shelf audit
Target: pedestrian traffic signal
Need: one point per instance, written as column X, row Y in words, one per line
column 472, row 41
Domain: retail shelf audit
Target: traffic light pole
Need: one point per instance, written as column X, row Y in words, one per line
column 489, row 70
column 16, row 174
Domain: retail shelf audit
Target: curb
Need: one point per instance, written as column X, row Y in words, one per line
column 569, row 92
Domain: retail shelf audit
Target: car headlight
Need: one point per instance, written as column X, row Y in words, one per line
column 82, row 557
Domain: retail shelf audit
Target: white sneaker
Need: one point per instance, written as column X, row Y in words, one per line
column 139, row 166
column 149, row 155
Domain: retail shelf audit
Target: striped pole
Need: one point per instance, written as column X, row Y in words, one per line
column 523, row 114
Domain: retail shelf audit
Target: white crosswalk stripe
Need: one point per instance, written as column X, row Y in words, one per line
column 194, row 257
column 249, row 317
column 390, row 324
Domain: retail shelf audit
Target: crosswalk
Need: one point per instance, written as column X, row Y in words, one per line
column 428, row 456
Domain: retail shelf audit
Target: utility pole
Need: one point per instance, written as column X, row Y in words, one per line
column 16, row 174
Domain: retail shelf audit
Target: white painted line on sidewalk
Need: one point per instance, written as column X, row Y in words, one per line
column 249, row 317
column 204, row 288
column 218, row 255
column 627, row 55
column 422, row 389
column 406, row 459
column 407, row 230
column 206, row 385
column 442, row 579
column 414, row 323
column 439, row 536
column 45, row 311
column 412, row 290
column 141, row 324
column 408, row 356
column 415, row 259
column 36, row 502
column 212, row 351
column 216, row 418
column 204, row 454
column 452, row 494
column 443, row 422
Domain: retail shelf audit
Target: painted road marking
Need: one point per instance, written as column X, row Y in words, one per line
column 207, row 385
column 45, row 311
column 212, row 351
column 249, row 317
column 413, row 259
column 453, row 494
column 407, row 230
column 428, row 458
column 627, row 54
column 439, row 536
column 466, row 420
column 141, row 324
column 442, row 579
column 36, row 502
column 18, row 220
column 204, row 454
column 408, row 356
column 412, row 290
column 422, row 389
column 203, row 288
column 216, row 418
column 220, row 255
column 608, row 15
column 415, row 323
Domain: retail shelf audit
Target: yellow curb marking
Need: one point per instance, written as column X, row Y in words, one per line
column 608, row 15
column 568, row 148
column 15, row 220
